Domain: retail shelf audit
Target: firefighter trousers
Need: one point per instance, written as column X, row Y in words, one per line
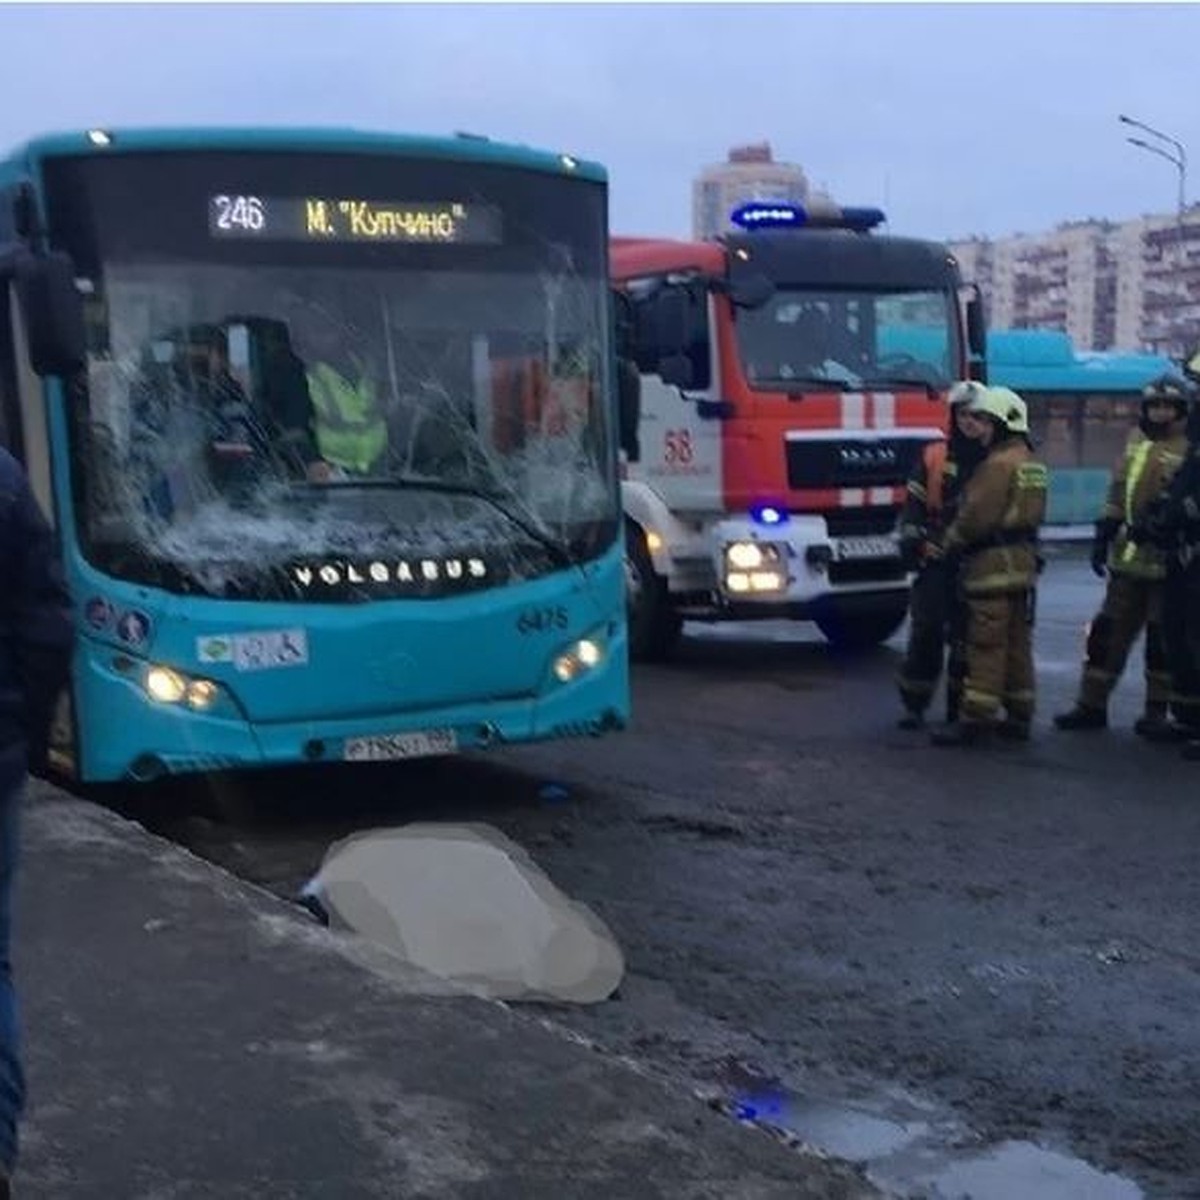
column 1181, row 635
column 999, row 658
column 1130, row 605
column 928, row 611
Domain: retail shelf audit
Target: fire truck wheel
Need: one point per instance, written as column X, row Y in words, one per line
column 862, row 628
column 654, row 626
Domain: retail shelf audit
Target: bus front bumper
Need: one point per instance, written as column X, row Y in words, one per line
column 140, row 740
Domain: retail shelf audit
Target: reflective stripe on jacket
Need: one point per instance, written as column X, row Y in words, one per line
column 350, row 430
column 1003, row 507
column 1143, row 474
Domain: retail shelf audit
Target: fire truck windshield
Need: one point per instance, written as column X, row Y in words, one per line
column 849, row 339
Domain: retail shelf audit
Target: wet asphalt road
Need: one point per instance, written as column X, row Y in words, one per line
column 817, row 907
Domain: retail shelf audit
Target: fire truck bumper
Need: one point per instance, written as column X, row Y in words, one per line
column 796, row 565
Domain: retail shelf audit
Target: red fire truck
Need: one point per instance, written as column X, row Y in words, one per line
column 791, row 373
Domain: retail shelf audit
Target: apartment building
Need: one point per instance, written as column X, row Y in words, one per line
column 749, row 173
column 1131, row 285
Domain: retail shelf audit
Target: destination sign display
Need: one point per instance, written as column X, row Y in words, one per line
column 320, row 219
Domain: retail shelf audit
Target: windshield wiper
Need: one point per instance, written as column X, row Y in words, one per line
column 933, row 390
column 806, row 381
column 405, row 483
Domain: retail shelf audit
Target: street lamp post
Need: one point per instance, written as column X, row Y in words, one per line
column 1179, row 161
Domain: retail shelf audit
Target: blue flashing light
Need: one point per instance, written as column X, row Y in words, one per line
column 862, row 219
column 769, row 216
column 768, row 514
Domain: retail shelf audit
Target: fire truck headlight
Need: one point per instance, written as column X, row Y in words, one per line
column 754, row 567
column 745, row 556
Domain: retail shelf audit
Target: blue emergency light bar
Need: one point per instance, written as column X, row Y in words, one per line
column 768, row 215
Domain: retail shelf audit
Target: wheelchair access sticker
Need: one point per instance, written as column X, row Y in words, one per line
column 266, row 651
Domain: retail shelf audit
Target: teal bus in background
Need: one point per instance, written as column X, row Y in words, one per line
column 1082, row 408
column 326, row 425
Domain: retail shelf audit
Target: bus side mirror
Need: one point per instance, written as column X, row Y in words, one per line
column 53, row 313
column 1191, row 364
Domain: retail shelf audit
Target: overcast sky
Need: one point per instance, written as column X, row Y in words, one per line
column 965, row 118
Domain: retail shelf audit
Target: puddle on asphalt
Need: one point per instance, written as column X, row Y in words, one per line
column 914, row 1154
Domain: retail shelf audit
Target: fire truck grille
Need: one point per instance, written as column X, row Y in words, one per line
column 851, row 463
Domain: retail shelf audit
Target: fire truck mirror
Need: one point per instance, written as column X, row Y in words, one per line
column 676, row 370
column 629, row 407
column 751, row 291
column 666, row 321
column 976, row 326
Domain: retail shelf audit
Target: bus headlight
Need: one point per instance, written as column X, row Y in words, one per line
column 755, row 568
column 168, row 686
column 579, row 658
column 165, row 686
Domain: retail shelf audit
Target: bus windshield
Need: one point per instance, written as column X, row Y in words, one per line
column 849, row 339
column 280, row 377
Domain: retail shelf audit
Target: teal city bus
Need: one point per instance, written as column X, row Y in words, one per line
column 326, row 424
column 1082, row 408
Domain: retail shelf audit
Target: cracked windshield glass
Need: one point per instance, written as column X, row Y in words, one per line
column 287, row 389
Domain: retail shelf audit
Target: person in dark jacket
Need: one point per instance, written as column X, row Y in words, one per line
column 36, row 637
column 1173, row 525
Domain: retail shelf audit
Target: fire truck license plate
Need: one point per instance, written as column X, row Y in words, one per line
column 868, row 547
column 392, row 746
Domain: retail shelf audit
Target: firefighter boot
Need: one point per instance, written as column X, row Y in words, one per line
column 1153, row 724
column 962, row 733
column 1082, row 717
column 1013, row 729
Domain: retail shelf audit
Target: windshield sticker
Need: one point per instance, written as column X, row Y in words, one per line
column 214, row 650
column 269, row 650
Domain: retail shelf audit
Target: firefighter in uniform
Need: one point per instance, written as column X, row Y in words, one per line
column 929, row 507
column 1135, row 568
column 1173, row 524
column 992, row 543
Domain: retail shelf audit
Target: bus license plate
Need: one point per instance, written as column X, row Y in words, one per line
column 868, row 547
column 392, row 746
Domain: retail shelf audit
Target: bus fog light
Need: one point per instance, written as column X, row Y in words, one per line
column 165, row 686
column 565, row 668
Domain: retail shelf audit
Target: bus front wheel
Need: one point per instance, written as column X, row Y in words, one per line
column 654, row 626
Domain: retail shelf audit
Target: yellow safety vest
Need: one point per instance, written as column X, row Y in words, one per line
column 351, row 431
